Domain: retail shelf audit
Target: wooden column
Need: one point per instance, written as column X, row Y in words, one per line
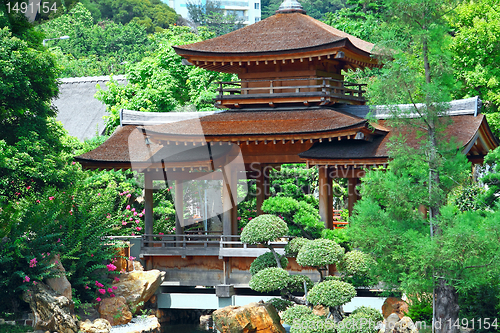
column 148, row 212
column 259, row 182
column 179, row 208
column 352, row 195
column 325, row 197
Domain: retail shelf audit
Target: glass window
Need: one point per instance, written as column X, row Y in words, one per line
column 257, row 19
column 257, row 5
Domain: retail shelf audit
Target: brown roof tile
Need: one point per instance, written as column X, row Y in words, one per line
column 280, row 33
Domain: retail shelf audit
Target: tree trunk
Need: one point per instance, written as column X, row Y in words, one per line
column 276, row 256
column 336, row 312
column 446, row 308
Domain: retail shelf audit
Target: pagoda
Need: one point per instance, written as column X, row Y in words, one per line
column 290, row 104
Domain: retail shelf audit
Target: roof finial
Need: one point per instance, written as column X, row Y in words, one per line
column 290, row 6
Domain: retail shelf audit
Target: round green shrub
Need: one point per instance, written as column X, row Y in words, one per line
column 280, row 304
column 295, row 312
column 284, row 206
column 296, row 283
column 320, row 252
column 313, row 324
column 331, row 293
column 269, row 279
column 369, row 312
column 293, row 247
column 264, row 228
column 356, row 263
column 357, row 323
column 266, row 260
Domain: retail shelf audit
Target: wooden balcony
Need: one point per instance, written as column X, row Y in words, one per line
column 288, row 92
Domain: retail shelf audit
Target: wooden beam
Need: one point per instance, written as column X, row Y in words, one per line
column 325, row 197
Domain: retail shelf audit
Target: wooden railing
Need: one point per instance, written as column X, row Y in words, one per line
column 204, row 245
column 337, row 223
column 317, row 86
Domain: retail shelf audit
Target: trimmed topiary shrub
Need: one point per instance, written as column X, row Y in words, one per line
column 269, row 279
column 331, row 293
column 295, row 312
column 313, row 324
column 320, row 252
column 264, row 228
column 293, row 247
column 360, row 322
column 296, row 283
column 356, row 263
column 266, row 260
column 369, row 312
column 280, row 304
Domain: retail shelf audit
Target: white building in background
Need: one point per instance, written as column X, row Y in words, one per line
column 248, row 10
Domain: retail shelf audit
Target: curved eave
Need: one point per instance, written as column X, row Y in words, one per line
column 233, row 62
column 480, row 143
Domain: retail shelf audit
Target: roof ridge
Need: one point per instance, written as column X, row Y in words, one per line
column 84, row 79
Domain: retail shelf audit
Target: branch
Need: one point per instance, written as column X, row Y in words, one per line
column 415, row 106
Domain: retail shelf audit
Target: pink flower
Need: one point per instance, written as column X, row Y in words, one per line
column 102, row 291
column 249, row 218
column 98, row 299
column 110, row 290
column 130, row 219
column 114, row 288
column 26, row 279
column 128, row 207
column 124, row 223
column 98, row 194
column 111, row 267
column 48, row 254
column 140, row 214
column 133, row 209
column 33, row 263
column 112, row 295
column 143, row 211
column 239, row 218
column 131, row 258
column 51, row 198
column 161, row 233
column 137, row 221
column 38, row 201
column 132, row 234
column 87, row 287
column 35, row 283
column 138, row 228
column 73, row 163
column 117, row 279
column 91, row 254
column 108, row 217
column 135, row 213
column 58, row 240
column 98, row 284
column 28, row 187
column 129, row 195
column 173, row 228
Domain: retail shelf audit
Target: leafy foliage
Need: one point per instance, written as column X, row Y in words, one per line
column 374, row 314
column 293, row 247
column 420, row 308
column 313, row 324
column 266, row 260
column 361, row 322
column 296, row 283
column 269, row 279
column 211, row 15
column 356, row 267
column 280, row 304
column 331, row 293
column 264, row 228
column 295, row 312
column 320, row 252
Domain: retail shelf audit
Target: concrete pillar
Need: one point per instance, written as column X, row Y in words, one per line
column 325, row 196
column 229, row 201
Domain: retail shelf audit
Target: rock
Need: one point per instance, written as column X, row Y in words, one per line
column 405, row 325
column 138, row 286
column 59, row 284
column 390, row 322
column 205, row 319
column 253, row 317
column 115, row 310
column 99, row 325
column 320, row 310
column 52, row 311
column 394, row 305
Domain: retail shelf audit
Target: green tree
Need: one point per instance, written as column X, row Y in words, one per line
column 160, row 82
column 475, row 45
column 210, row 14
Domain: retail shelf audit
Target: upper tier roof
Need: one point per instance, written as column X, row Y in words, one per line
column 278, row 34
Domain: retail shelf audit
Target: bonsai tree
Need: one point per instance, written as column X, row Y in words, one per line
column 264, row 229
column 332, row 294
column 318, row 253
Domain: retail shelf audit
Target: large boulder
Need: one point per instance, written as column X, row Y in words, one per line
column 253, row 317
column 52, row 311
column 138, row 287
column 405, row 325
column 394, row 305
column 115, row 310
column 99, row 325
column 59, row 284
